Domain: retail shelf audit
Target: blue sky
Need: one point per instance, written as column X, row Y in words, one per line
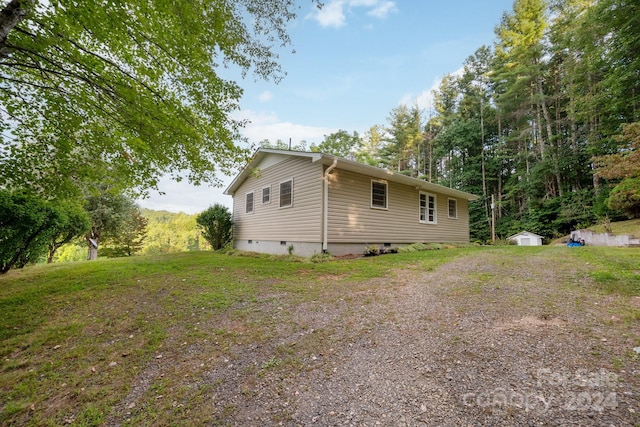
column 354, row 61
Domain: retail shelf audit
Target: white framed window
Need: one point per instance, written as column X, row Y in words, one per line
column 428, row 212
column 248, row 206
column 453, row 208
column 378, row 194
column 266, row 195
column 286, row 193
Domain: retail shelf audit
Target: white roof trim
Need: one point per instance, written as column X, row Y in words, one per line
column 352, row 166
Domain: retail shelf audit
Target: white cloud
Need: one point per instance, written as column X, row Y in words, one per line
column 188, row 198
column 185, row 197
column 366, row 3
column 383, row 9
column 267, row 125
column 332, row 14
column 424, row 99
column 265, row 96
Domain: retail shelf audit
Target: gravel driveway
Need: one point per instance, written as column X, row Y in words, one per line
column 483, row 340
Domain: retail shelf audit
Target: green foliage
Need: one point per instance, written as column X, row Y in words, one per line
column 575, row 212
column 369, row 145
column 281, row 145
column 527, row 120
column 340, row 144
column 321, row 257
column 129, row 238
column 169, row 232
column 626, row 197
column 402, row 141
column 27, row 225
column 73, row 223
column 131, row 87
column 71, row 252
column 216, row 225
column 625, row 163
column 371, row 251
column 109, row 211
column 165, row 232
column 420, row 247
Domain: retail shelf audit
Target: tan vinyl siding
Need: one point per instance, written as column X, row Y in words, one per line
column 351, row 218
column 300, row 222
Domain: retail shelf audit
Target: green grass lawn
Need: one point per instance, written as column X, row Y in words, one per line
column 74, row 336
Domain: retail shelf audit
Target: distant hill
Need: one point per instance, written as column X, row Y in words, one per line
column 169, row 232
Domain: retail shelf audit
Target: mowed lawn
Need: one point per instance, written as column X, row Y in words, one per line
column 77, row 340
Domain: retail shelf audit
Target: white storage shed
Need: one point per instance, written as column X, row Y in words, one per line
column 526, row 238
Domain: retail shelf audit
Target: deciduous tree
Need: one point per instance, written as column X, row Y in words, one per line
column 109, row 212
column 624, row 165
column 216, row 225
column 27, row 223
column 131, row 87
column 339, row 143
column 129, row 238
column 73, row 222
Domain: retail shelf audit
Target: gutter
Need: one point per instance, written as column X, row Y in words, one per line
column 325, row 205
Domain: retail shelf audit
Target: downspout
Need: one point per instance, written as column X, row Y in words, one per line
column 325, row 205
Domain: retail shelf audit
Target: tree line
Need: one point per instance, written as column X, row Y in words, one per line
column 35, row 230
column 99, row 99
column 545, row 121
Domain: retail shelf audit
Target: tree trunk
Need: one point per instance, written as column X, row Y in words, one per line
column 92, row 243
column 484, row 174
column 499, row 170
column 11, row 16
column 52, row 252
column 545, row 111
column 539, row 139
column 93, row 253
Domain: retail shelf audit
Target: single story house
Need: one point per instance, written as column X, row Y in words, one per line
column 308, row 203
column 526, row 238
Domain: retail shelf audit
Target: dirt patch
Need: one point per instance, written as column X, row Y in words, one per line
column 530, row 323
column 480, row 341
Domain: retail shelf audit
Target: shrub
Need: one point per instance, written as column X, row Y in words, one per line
column 321, row 257
column 371, row 251
column 417, row 247
column 216, row 225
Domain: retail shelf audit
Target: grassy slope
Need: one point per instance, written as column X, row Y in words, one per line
column 631, row 227
column 73, row 337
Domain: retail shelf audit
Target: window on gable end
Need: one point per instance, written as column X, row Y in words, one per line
column 249, row 203
column 378, row 194
column 266, row 195
column 453, row 208
column 286, row 194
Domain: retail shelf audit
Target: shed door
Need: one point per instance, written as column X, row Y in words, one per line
column 525, row 241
